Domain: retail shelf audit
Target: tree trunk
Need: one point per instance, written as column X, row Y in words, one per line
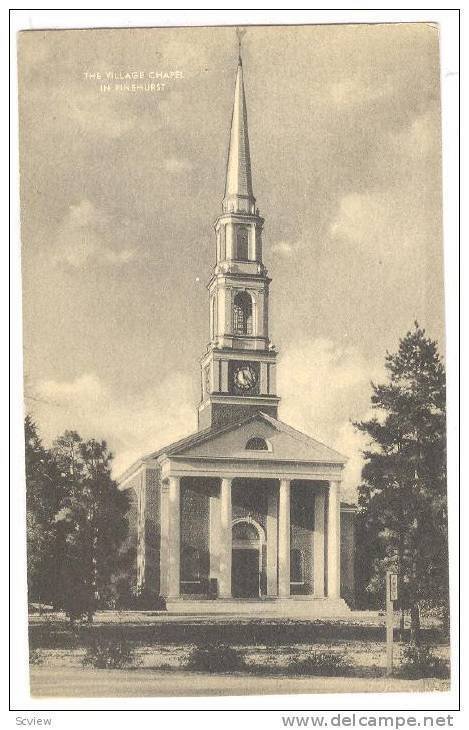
column 415, row 623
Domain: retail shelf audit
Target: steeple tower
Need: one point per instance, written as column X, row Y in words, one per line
column 238, row 368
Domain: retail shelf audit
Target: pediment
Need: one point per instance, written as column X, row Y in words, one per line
column 284, row 443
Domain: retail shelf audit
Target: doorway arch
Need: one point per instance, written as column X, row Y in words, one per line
column 248, row 538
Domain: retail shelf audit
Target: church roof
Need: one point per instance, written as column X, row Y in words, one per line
column 238, row 170
column 286, row 443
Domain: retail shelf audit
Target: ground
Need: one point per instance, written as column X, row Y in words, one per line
column 164, row 642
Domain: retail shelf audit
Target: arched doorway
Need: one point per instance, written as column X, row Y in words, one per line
column 246, row 568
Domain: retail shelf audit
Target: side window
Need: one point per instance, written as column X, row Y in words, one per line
column 242, row 243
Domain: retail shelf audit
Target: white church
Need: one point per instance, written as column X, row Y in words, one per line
column 244, row 515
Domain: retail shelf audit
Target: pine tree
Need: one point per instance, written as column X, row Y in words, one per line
column 42, row 499
column 402, row 498
column 92, row 523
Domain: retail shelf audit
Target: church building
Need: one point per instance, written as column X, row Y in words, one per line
column 245, row 514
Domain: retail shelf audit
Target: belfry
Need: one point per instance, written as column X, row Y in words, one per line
column 245, row 514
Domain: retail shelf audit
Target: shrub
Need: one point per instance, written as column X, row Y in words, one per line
column 35, row 657
column 110, row 654
column 144, row 601
column 420, row 661
column 215, row 658
column 322, row 663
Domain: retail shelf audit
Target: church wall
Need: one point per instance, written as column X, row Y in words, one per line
column 129, row 548
column 195, row 520
column 301, row 535
column 347, row 555
column 152, row 531
column 218, row 414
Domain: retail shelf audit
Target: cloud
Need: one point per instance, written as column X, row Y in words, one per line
column 419, row 138
column 324, row 386
column 359, row 216
column 104, row 119
column 373, row 223
column 132, row 424
column 286, row 249
column 176, row 166
column 83, row 237
column 86, row 386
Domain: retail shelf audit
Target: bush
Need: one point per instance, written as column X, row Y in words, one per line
column 146, row 601
column 215, row 658
column 35, row 657
column 322, row 663
column 420, row 661
column 110, row 654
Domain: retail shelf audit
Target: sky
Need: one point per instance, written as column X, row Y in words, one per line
column 120, row 189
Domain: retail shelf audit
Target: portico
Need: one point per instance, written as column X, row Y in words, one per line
column 241, row 523
column 273, row 544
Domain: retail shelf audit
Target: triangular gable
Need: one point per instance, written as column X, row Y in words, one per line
column 285, row 443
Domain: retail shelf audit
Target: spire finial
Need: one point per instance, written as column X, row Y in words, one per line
column 240, row 33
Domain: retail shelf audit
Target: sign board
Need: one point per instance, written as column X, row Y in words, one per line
column 392, row 587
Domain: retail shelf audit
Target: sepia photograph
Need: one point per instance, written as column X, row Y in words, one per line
column 234, row 360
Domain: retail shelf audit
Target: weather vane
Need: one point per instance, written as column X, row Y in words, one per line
column 240, row 33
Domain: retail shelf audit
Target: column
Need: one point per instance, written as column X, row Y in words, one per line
column 224, row 583
column 333, row 541
column 272, row 546
column 284, row 539
column 174, row 537
column 318, row 543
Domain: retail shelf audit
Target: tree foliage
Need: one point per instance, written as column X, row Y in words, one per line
column 402, row 517
column 42, row 500
column 76, row 522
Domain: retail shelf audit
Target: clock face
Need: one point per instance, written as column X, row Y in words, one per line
column 245, row 377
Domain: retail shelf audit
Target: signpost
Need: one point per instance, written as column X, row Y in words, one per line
column 391, row 596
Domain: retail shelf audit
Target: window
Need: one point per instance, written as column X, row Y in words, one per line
column 190, row 565
column 297, row 574
column 242, row 241
column 242, row 314
column 257, row 443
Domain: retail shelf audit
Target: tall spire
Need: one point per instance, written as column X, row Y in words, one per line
column 238, row 188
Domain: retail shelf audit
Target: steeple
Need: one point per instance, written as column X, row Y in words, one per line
column 238, row 187
column 238, row 368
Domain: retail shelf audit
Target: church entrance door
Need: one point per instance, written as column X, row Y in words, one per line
column 245, row 574
column 246, row 564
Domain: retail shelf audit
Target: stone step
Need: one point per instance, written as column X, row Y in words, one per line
column 284, row 607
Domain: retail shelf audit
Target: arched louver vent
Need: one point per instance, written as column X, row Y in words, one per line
column 256, row 443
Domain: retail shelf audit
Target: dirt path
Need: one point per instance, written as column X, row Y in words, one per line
column 48, row 682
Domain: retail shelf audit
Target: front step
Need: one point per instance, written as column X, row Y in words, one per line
column 303, row 607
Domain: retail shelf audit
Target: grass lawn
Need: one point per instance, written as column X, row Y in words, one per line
column 269, row 646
